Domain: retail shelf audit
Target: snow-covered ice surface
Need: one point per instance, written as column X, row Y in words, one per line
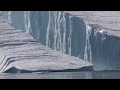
column 19, row 52
column 109, row 20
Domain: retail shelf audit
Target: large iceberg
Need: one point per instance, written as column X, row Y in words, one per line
column 20, row 52
column 93, row 36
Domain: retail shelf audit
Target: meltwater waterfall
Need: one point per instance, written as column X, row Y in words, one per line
column 70, row 34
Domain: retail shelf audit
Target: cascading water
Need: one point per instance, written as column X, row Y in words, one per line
column 69, row 34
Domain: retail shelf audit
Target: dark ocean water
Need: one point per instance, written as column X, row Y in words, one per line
column 63, row 75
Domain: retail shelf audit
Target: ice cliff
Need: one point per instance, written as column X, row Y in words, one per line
column 20, row 52
column 91, row 36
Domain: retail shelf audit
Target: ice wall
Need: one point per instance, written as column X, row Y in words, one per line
column 71, row 35
column 105, row 50
column 20, row 53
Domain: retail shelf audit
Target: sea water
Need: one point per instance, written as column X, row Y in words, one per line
column 63, row 75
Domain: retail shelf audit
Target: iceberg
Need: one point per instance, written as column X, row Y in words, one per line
column 93, row 36
column 21, row 53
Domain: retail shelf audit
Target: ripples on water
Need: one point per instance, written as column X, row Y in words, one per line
column 63, row 75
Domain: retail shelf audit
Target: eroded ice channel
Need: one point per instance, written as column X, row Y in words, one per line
column 93, row 36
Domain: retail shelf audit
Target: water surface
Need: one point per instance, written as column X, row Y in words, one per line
column 63, row 75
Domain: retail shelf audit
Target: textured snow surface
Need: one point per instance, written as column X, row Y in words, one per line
column 18, row 50
column 109, row 20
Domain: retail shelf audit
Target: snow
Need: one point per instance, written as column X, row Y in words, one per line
column 102, row 31
column 20, row 51
column 109, row 20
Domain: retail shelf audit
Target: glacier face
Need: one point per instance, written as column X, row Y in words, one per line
column 70, row 34
column 57, row 30
column 20, row 52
